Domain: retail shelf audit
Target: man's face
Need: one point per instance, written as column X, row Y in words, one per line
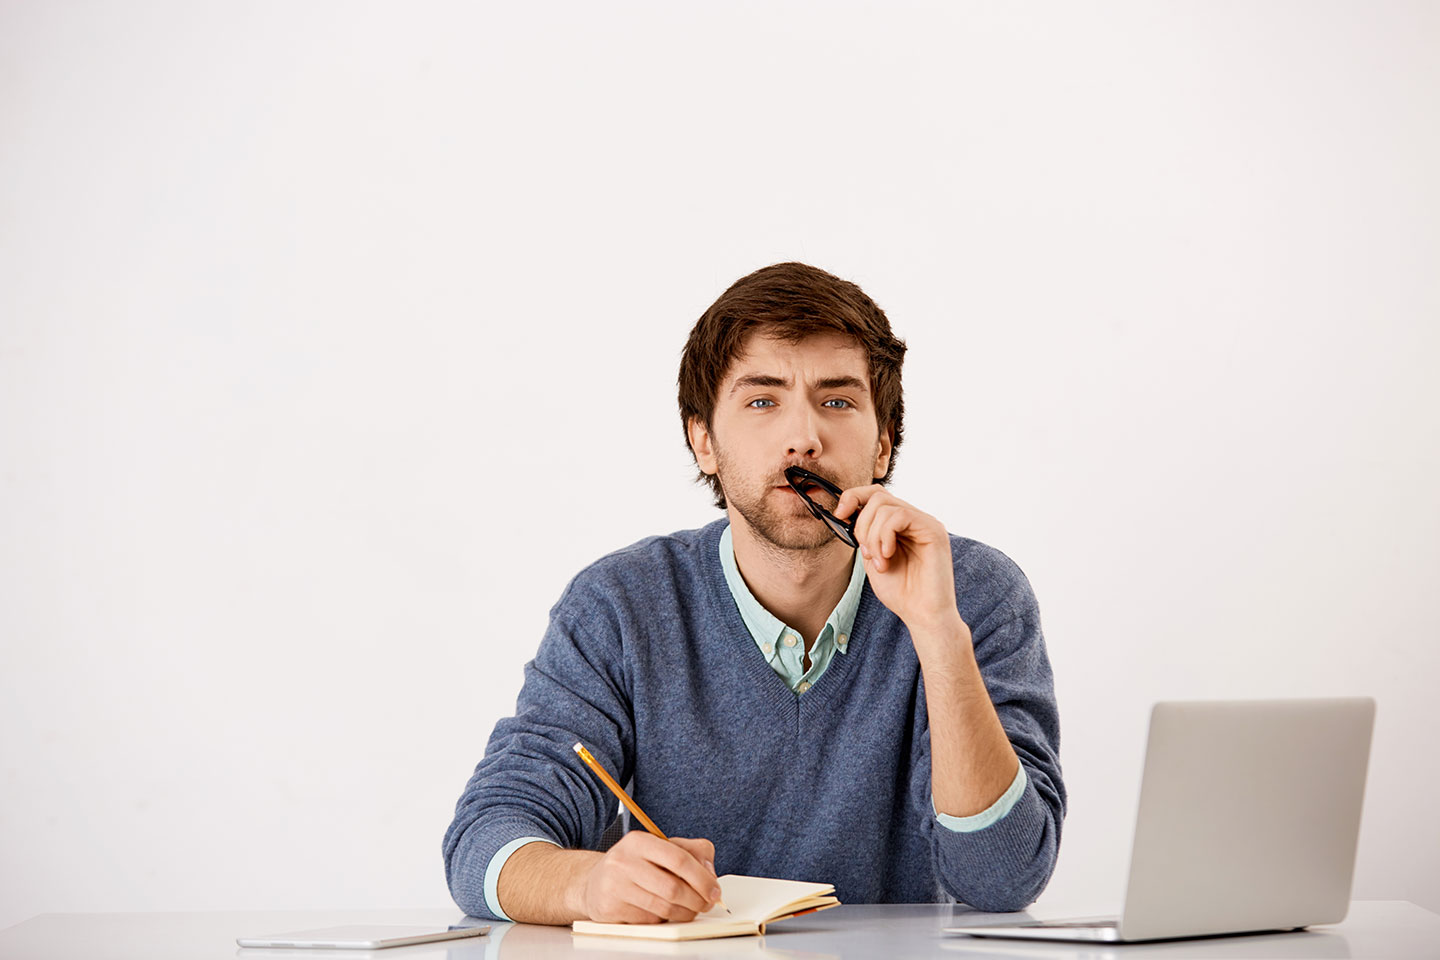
column 781, row 404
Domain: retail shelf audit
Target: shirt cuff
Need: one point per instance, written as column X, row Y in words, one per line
column 969, row 824
column 497, row 863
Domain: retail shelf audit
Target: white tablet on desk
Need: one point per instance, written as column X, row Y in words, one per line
column 361, row 936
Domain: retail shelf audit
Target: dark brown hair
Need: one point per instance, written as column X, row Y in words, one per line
column 790, row 301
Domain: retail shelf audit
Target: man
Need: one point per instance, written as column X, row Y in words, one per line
column 781, row 704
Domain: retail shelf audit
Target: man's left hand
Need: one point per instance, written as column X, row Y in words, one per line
column 907, row 558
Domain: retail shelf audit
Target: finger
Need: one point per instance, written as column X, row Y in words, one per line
column 625, row 912
column 884, row 530
column 615, row 897
column 701, row 849
column 641, row 903
column 866, row 516
column 672, row 894
column 888, row 521
column 865, row 524
column 680, row 862
column 854, row 498
column 663, row 909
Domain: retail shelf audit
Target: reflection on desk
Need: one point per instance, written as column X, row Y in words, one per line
column 1377, row 929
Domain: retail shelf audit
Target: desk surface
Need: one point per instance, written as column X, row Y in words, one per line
column 1375, row 929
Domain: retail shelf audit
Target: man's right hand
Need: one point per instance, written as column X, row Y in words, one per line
column 643, row 879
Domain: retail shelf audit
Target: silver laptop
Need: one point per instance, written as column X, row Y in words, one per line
column 1248, row 821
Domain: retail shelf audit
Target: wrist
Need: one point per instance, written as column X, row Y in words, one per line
column 942, row 639
column 574, row 890
column 541, row 883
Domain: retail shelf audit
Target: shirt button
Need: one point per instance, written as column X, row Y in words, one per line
column 789, row 639
column 804, row 685
column 841, row 639
column 768, row 649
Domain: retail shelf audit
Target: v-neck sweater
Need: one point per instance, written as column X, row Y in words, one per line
column 648, row 663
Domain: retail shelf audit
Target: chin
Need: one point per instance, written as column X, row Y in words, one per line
column 787, row 525
column 792, row 533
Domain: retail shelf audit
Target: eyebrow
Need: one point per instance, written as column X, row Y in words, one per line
column 825, row 383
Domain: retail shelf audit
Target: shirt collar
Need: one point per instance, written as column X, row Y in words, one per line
column 765, row 628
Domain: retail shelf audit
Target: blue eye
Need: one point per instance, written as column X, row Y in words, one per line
column 753, row 402
column 838, row 400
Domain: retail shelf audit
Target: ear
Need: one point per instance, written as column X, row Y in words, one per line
column 702, row 445
column 882, row 457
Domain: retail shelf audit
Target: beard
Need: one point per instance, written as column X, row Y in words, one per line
column 781, row 519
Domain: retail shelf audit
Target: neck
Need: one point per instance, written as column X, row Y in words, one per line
column 800, row 587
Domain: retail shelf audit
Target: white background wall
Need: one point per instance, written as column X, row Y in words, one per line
column 336, row 337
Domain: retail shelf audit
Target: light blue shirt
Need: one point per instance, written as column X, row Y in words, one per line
column 783, row 648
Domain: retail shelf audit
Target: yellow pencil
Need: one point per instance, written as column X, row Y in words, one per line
column 630, row 805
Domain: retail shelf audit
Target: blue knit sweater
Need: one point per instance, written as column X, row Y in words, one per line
column 647, row 662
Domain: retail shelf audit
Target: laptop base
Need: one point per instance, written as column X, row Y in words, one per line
column 1087, row 931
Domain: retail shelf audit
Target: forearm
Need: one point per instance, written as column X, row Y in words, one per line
column 542, row 883
column 971, row 760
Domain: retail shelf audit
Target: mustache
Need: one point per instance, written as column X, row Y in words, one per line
column 783, row 481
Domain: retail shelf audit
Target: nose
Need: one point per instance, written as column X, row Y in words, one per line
column 802, row 433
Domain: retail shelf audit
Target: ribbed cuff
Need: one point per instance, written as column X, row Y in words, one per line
column 990, row 814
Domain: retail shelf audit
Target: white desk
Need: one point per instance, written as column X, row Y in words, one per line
column 1375, row 929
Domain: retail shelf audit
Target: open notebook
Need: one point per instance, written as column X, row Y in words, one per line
column 753, row 902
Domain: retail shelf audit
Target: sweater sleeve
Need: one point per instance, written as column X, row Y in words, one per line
column 1004, row 866
column 530, row 783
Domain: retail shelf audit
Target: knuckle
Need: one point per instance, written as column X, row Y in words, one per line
column 633, row 914
column 612, row 889
column 612, row 910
